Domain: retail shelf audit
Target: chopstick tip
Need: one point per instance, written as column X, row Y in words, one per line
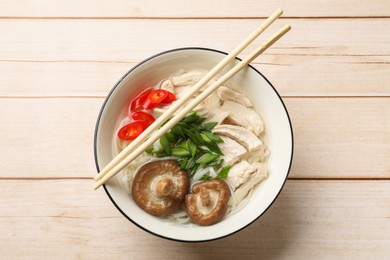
column 96, row 185
column 279, row 11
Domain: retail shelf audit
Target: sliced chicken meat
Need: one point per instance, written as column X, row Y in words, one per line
column 181, row 91
column 187, row 78
column 255, row 178
column 242, row 116
column 226, row 94
column 212, row 102
column 240, row 134
column 217, row 115
column 168, row 86
column 232, row 151
column 190, row 78
column 201, row 109
column 239, row 173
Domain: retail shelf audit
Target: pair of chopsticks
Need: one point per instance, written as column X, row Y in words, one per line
column 143, row 141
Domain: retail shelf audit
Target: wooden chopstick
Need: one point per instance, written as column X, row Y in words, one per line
column 160, row 120
column 185, row 110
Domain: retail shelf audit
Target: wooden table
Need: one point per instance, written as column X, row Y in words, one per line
column 59, row 59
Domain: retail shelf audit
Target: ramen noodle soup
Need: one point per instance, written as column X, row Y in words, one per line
column 205, row 168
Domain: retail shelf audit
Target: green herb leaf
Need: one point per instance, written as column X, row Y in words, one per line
column 205, row 138
column 192, row 148
column 180, row 152
column 204, row 149
column 165, row 144
column 209, row 126
column 193, row 136
column 184, row 144
column 149, row 150
column 223, row 173
column 171, row 137
column 207, row 158
column 216, row 162
column 205, row 177
column 213, row 137
column 199, row 138
column 200, row 120
column 214, row 148
column 196, row 168
column 177, row 130
column 182, row 162
column 191, row 117
column 190, row 163
column 161, row 154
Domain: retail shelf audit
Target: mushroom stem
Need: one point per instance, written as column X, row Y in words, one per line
column 205, row 197
column 164, row 187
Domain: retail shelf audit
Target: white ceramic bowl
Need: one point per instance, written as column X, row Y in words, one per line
column 266, row 101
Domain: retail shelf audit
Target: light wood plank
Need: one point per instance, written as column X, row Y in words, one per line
column 334, row 137
column 134, row 40
column 310, row 219
column 60, row 78
column 302, row 76
column 341, row 137
column 86, row 57
column 47, row 137
column 187, row 8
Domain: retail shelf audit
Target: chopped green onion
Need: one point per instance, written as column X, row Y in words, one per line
column 209, row 126
column 205, row 138
column 213, row 137
column 207, row 158
column 180, row 152
column 192, row 148
column 205, row 177
column 214, row 148
column 193, row 143
column 171, row 137
column 177, row 130
column 165, row 144
column 223, row 173
column 149, row 150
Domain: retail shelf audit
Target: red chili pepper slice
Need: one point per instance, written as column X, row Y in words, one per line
column 132, row 130
column 155, row 98
column 143, row 116
column 169, row 99
column 137, row 102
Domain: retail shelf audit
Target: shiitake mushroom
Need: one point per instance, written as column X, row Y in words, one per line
column 208, row 202
column 159, row 187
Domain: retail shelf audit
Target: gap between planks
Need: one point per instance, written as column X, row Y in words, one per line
column 289, row 178
column 183, row 18
column 103, row 96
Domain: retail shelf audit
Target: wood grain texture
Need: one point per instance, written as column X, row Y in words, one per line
column 291, row 76
column 341, row 137
column 47, row 137
column 86, row 57
column 334, row 137
column 188, row 8
column 134, row 40
column 59, row 59
column 310, row 219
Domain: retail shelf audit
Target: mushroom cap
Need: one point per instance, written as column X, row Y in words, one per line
column 159, row 187
column 208, row 202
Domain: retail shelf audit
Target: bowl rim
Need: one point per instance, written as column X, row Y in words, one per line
column 108, row 97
